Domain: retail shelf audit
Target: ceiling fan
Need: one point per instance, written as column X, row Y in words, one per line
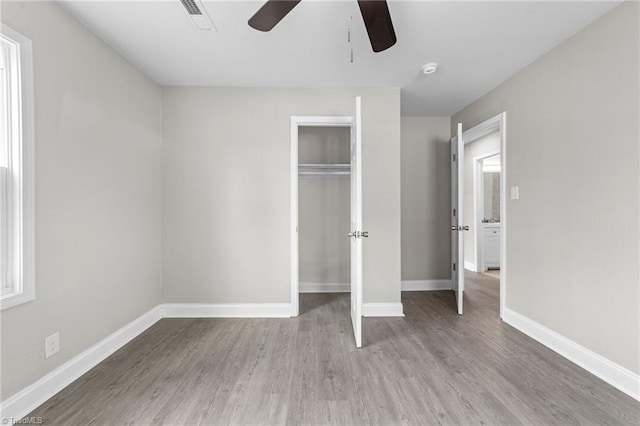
column 375, row 14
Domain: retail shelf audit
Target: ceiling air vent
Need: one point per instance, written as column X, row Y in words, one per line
column 192, row 7
column 199, row 15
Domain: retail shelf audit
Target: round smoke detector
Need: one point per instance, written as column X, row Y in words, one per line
column 429, row 68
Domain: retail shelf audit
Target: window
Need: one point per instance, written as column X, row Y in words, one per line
column 17, row 270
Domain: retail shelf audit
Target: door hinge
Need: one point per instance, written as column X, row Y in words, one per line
column 454, row 158
column 454, row 266
column 454, row 212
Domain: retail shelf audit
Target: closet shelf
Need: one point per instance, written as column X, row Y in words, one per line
column 324, row 169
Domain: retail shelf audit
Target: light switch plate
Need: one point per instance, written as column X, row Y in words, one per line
column 515, row 193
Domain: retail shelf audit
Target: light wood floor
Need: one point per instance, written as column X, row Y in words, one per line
column 495, row 273
column 430, row 367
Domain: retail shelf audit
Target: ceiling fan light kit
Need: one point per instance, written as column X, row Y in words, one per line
column 375, row 13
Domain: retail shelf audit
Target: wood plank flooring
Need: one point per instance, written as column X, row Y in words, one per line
column 495, row 273
column 430, row 367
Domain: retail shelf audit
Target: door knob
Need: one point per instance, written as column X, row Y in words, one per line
column 454, row 228
column 359, row 234
column 465, row 228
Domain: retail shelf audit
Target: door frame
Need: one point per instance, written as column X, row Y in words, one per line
column 298, row 121
column 497, row 123
column 478, row 208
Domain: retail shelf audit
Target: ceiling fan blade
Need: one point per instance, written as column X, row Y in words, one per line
column 271, row 13
column 378, row 22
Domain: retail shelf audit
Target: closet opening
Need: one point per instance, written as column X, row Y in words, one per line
column 321, row 208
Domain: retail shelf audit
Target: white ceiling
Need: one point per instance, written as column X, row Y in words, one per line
column 478, row 45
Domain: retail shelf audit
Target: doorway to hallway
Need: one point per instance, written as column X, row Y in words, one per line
column 478, row 210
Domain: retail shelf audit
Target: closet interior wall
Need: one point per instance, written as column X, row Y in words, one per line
column 324, row 210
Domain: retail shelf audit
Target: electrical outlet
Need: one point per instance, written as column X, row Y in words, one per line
column 52, row 345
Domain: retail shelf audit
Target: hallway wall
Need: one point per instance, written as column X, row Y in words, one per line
column 474, row 149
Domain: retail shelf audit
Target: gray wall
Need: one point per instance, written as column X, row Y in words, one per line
column 98, row 144
column 474, row 149
column 573, row 236
column 426, row 198
column 226, row 190
column 324, row 206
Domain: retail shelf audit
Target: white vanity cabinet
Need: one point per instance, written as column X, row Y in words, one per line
column 491, row 245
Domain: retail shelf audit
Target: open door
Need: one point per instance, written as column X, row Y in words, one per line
column 457, row 217
column 356, row 233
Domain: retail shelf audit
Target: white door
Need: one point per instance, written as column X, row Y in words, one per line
column 457, row 217
column 356, row 233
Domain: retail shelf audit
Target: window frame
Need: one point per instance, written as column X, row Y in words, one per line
column 20, row 255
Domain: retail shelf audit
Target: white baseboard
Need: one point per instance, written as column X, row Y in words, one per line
column 226, row 310
column 324, row 287
column 382, row 310
column 426, row 285
column 22, row 403
column 470, row 266
column 612, row 373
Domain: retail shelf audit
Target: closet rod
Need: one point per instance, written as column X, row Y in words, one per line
column 324, row 169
